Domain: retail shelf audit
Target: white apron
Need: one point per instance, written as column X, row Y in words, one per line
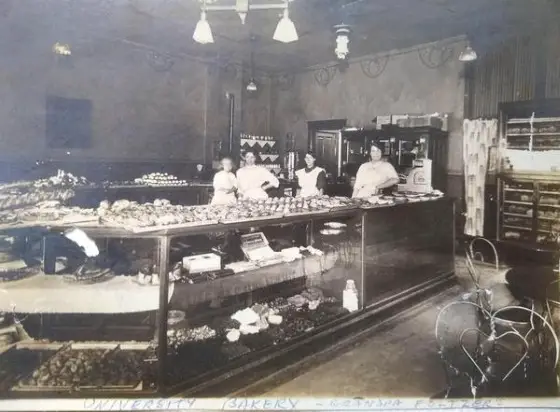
column 224, row 181
column 308, row 181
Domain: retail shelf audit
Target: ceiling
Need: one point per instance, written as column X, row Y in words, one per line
column 378, row 25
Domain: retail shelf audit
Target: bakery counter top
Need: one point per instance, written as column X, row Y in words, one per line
column 95, row 229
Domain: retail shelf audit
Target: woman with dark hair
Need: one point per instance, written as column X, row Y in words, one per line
column 311, row 179
column 255, row 180
column 374, row 175
column 225, row 184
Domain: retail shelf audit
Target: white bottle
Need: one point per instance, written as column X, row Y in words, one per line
column 350, row 296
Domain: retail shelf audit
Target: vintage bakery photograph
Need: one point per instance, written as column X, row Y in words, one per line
column 279, row 200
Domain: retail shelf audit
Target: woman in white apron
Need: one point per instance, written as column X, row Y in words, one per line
column 374, row 175
column 225, row 184
column 254, row 180
column 311, row 179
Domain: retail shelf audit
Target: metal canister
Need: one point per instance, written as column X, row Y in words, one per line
column 290, row 164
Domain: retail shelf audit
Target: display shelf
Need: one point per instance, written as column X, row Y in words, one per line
column 533, row 120
column 517, row 215
column 515, row 202
column 508, row 189
column 517, row 227
column 533, row 134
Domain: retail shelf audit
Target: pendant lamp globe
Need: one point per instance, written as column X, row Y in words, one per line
column 203, row 33
column 468, row 55
column 285, row 30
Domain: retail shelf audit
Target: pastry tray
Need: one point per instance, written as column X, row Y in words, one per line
column 251, row 219
column 137, row 384
column 11, row 368
column 148, row 229
column 342, row 208
column 307, row 213
column 85, row 346
column 51, row 350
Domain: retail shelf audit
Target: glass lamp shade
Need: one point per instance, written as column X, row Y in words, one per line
column 341, row 50
column 203, row 33
column 252, row 86
column 285, row 30
column 468, row 55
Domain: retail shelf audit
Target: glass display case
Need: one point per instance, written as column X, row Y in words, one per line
column 529, row 210
column 180, row 327
column 191, row 310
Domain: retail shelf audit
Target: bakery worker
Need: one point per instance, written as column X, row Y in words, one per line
column 311, row 179
column 225, row 184
column 200, row 173
column 254, row 180
column 374, row 175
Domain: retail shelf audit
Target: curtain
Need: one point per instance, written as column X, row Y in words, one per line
column 478, row 136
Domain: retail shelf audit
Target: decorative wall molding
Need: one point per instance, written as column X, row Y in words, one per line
column 159, row 62
column 375, row 66
column 436, row 55
column 325, row 75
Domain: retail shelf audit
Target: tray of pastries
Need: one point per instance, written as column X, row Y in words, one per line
column 121, row 369
column 67, row 368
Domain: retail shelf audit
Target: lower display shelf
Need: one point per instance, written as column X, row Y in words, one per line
column 194, row 359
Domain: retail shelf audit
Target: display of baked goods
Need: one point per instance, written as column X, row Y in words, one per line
column 61, row 179
column 8, row 217
column 160, row 179
column 13, row 199
column 178, row 337
column 66, row 369
column 54, row 211
column 17, row 363
column 119, row 368
column 16, row 270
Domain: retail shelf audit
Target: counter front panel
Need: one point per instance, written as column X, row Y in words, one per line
column 405, row 246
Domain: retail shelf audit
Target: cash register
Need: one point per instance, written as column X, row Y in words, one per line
column 418, row 178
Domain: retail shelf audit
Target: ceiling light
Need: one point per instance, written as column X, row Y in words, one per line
column 61, row 49
column 468, row 55
column 342, row 41
column 203, row 32
column 286, row 30
column 252, row 86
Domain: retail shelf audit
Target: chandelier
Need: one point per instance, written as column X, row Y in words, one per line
column 285, row 30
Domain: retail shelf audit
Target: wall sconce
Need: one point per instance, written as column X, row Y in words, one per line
column 342, row 41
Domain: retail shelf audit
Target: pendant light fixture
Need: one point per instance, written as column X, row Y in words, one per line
column 285, row 30
column 252, row 86
column 342, row 41
column 468, row 55
column 203, row 33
